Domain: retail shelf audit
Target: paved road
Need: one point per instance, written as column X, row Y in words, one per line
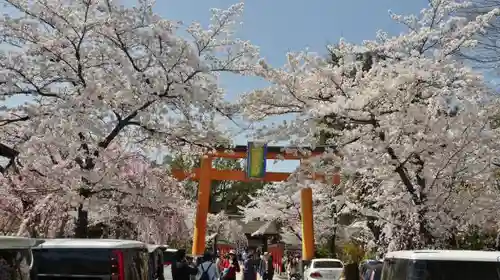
column 168, row 275
column 275, row 277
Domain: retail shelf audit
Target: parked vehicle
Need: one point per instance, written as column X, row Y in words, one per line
column 441, row 265
column 324, row 269
column 16, row 257
column 295, row 276
column 169, row 257
column 371, row 270
column 156, row 262
column 91, row 259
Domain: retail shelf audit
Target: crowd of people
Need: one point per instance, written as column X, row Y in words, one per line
column 291, row 265
column 223, row 266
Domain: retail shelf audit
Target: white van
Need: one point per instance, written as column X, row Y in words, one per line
column 16, row 258
column 91, row 259
column 441, row 265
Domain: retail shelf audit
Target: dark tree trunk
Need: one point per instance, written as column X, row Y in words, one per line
column 497, row 241
column 60, row 231
column 82, row 223
column 453, row 242
column 86, row 163
column 214, row 249
column 375, row 229
column 333, row 245
column 333, row 238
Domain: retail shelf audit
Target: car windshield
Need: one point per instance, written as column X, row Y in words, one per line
column 327, row 264
column 397, row 269
column 49, row 262
column 87, row 263
column 14, row 265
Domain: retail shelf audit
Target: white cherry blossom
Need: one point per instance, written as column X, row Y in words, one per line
column 103, row 82
column 412, row 127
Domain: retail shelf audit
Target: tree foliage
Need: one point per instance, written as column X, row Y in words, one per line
column 486, row 53
column 411, row 126
column 102, row 81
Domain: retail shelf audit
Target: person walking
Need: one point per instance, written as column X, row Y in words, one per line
column 224, row 262
column 292, row 268
column 244, row 255
column 352, row 272
column 218, row 263
column 261, row 268
column 270, row 267
column 231, row 267
column 284, row 264
column 249, row 271
column 266, row 269
column 207, row 269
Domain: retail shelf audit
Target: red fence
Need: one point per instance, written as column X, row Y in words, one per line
column 277, row 251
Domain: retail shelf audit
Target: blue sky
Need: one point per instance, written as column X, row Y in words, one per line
column 279, row 26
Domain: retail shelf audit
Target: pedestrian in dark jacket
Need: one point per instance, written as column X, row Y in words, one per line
column 261, row 267
column 351, row 272
column 266, row 269
column 249, row 271
column 181, row 269
column 270, row 267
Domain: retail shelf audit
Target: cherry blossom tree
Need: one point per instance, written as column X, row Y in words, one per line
column 280, row 203
column 48, row 216
column 485, row 55
column 132, row 198
column 224, row 228
column 138, row 193
column 33, row 206
column 405, row 118
column 219, row 226
column 96, row 73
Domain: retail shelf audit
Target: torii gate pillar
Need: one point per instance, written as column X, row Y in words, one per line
column 200, row 225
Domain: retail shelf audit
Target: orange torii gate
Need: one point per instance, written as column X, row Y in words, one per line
column 205, row 174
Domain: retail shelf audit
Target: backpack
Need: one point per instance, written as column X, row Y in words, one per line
column 204, row 273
